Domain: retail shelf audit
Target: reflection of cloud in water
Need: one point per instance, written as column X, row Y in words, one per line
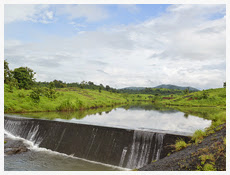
column 136, row 119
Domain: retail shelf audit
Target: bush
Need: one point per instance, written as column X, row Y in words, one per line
column 209, row 167
column 21, row 95
column 180, row 144
column 205, row 95
column 204, row 158
column 50, row 93
column 198, row 136
column 35, row 95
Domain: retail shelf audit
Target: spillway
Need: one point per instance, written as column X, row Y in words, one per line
column 121, row 147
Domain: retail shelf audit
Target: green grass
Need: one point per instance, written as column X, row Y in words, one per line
column 67, row 100
column 198, row 136
column 207, row 98
column 180, row 144
column 209, row 167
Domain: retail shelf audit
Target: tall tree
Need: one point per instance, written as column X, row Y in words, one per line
column 7, row 72
column 8, row 76
column 25, row 77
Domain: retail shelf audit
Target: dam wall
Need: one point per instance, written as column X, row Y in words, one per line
column 120, row 147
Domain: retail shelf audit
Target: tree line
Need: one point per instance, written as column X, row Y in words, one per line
column 23, row 78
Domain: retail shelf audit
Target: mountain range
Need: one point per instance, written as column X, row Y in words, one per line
column 166, row 86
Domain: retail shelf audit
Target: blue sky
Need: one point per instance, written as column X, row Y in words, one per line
column 117, row 15
column 119, row 45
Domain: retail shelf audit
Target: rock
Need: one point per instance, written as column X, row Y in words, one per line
column 14, row 146
column 12, row 151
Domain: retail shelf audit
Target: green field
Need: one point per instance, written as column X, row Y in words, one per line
column 206, row 98
column 74, row 99
column 67, row 99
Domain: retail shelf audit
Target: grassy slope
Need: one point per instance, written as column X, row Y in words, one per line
column 216, row 98
column 76, row 98
column 69, row 99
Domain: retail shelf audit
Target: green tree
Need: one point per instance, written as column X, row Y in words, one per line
column 204, row 94
column 35, row 95
column 186, row 91
column 8, row 76
column 156, row 98
column 107, row 87
column 25, row 77
column 6, row 72
column 224, row 85
column 59, row 84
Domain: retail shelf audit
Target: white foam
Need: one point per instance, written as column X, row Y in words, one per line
column 35, row 147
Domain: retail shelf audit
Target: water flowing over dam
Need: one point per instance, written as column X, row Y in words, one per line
column 120, row 147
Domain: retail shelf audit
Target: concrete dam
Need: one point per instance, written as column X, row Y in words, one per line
column 115, row 146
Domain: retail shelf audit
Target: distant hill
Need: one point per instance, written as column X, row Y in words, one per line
column 169, row 86
column 166, row 86
column 134, row 88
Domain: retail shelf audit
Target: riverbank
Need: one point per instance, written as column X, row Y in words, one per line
column 208, row 155
column 19, row 100
column 205, row 98
column 73, row 99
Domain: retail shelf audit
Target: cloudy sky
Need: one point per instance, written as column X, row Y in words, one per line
column 119, row 45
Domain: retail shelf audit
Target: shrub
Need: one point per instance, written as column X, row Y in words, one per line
column 209, row 167
column 205, row 94
column 204, row 158
column 180, row 144
column 21, row 95
column 35, row 95
column 50, row 93
column 198, row 136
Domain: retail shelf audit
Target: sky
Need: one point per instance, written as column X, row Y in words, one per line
column 119, row 45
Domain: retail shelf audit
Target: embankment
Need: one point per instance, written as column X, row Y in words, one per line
column 209, row 155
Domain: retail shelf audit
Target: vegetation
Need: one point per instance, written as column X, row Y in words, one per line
column 205, row 98
column 24, row 77
column 198, row 136
column 64, row 99
column 153, row 91
column 180, row 144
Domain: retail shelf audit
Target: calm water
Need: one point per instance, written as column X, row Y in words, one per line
column 134, row 117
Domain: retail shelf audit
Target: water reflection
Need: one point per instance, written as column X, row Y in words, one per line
column 141, row 116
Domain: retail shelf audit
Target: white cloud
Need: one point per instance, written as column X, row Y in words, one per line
column 132, row 8
column 91, row 13
column 185, row 47
column 34, row 13
column 44, row 14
